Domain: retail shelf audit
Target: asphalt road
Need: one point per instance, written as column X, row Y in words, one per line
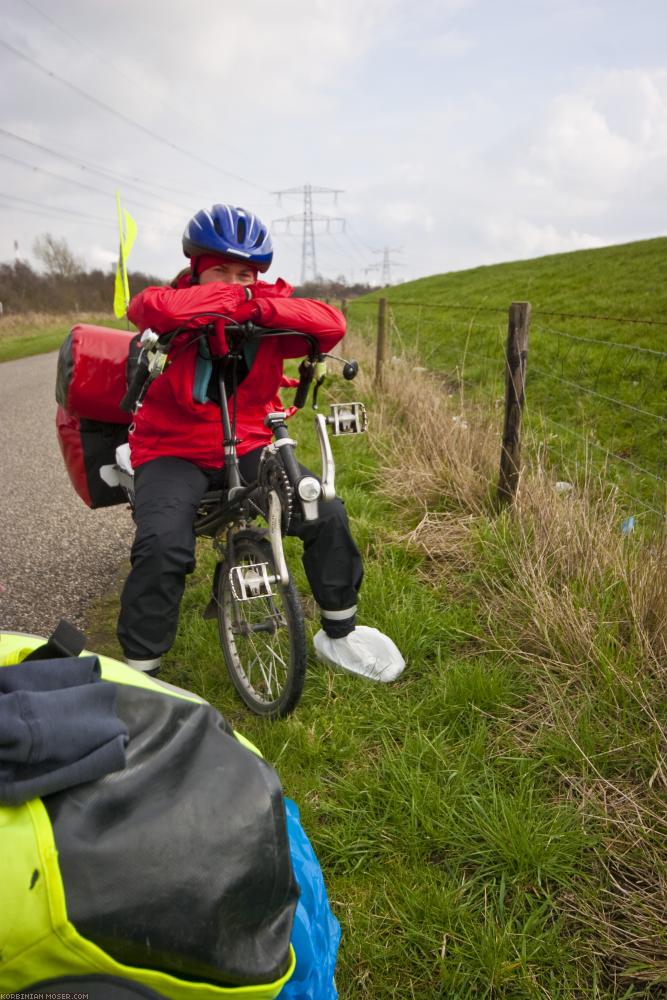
column 56, row 555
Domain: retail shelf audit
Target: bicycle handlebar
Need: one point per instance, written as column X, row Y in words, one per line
column 137, row 382
column 246, row 330
column 254, row 331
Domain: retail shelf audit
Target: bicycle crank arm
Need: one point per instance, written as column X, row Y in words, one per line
column 328, row 465
column 276, row 539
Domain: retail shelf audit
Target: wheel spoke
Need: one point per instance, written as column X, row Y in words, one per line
column 262, row 638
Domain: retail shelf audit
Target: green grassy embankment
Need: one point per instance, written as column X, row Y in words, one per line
column 457, row 324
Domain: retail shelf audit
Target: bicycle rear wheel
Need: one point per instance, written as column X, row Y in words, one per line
column 263, row 638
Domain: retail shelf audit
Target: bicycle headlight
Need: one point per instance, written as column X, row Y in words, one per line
column 309, row 489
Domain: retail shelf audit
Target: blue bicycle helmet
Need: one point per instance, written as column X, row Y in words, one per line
column 232, row 231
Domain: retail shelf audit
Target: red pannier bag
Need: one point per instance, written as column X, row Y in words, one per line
column 91, row 380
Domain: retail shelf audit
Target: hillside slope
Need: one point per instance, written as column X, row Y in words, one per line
column 597, row 360
column 630, row 276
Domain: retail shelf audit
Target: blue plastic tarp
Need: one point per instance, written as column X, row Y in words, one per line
column 316, row 932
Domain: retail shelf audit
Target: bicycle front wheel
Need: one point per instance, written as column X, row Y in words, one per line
column 262, row 637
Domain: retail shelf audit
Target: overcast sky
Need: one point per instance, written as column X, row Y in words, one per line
column 461, row 132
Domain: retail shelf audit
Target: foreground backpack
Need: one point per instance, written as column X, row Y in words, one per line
column 173, row 876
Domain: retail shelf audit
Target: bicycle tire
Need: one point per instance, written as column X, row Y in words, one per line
column 263, row 639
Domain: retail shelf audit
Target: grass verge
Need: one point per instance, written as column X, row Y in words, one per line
column 26, row 334
column 493, row 824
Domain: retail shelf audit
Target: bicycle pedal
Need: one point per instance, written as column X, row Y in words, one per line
column 251, row 581
column 347, row 418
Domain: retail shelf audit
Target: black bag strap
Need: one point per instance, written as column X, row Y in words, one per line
column 65, row 640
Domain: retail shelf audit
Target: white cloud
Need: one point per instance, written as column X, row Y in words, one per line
column 530, row 239
column 457, row 132
column 594, row 142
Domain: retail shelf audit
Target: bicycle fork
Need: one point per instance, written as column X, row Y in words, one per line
column 253, row 581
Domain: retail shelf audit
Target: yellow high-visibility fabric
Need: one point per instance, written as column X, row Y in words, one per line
column 127, row 236
column 37, row 940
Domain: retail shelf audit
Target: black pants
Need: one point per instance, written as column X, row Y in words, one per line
column 168, row 492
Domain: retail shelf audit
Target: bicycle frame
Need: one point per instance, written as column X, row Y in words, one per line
column 257, row 607
column 236, row 503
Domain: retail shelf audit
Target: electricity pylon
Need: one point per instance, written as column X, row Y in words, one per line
column 387, row 263
column 308, row 219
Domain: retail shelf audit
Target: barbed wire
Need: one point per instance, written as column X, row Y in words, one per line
column 599, row 343
column 633, row 496
column 599, row 447
column 569, row 382
column 471, row 307
column 600, row 395
column 466, row 358
column 609, row 319
column 431, row 305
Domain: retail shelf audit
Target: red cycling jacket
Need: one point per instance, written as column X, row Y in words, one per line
column 170, row 421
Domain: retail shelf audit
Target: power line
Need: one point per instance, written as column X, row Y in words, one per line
column 85, row 165
column 356, row 236
column 359, row 256
column 58, row 211
column 100, row 55
column 82, row 216
column 126, row 118
column 70, row 180
column 353, row 264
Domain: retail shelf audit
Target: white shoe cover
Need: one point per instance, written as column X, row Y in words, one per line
column 123, row 459
column 365, row 651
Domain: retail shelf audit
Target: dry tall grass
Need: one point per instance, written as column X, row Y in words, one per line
column 580, row 606
column 30, row 324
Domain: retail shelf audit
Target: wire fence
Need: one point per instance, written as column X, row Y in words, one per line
column 584, row 394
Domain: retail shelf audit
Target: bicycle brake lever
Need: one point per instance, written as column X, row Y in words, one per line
column 321, row 370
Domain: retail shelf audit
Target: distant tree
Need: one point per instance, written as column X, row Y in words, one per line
column 19, row 286
column 56, row 256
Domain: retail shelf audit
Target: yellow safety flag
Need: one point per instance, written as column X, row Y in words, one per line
column 128, row 233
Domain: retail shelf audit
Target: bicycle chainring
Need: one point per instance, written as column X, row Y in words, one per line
column 272, row 476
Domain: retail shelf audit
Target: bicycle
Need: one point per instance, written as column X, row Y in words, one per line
column 257, row 606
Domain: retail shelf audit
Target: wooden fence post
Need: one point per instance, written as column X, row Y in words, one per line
column 343, row 307
column 381, row 341
column 515, row 385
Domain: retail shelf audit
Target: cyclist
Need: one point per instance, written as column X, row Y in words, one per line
column 177, row 453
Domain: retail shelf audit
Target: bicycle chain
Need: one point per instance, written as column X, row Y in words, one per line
column 272, row 476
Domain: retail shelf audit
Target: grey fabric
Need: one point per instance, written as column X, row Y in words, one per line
column 58, row 727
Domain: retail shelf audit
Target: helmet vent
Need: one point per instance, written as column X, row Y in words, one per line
column 260, row 239
column 217, row 226
column 240, row 230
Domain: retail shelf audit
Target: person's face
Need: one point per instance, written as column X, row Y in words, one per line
column 232, row 272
